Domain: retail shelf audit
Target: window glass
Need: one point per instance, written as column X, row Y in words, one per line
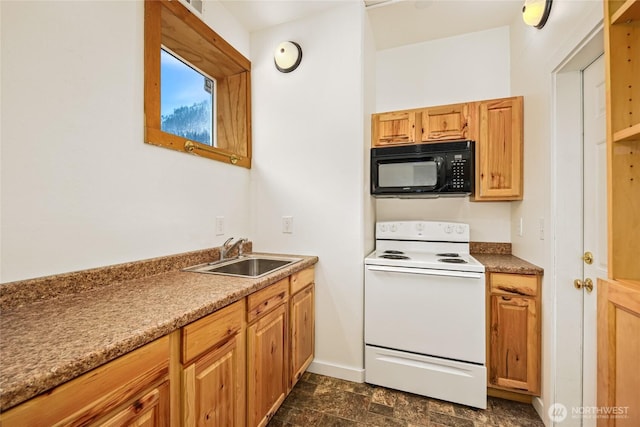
column 187, row 100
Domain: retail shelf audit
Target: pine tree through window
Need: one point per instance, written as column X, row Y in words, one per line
column 187, row 100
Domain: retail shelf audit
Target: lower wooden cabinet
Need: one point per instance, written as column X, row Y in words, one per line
column 132, row 390
column 151, row 410
column 618, row 350
column 513, row 350
column 267, row 352
column 302, row 324
column 213, row 378
column 232, row 368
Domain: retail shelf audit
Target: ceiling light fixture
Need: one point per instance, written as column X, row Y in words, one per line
column 536, row 12
column 287, row 56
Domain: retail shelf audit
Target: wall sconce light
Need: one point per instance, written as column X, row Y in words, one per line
column 536, row 12
column 287, row 56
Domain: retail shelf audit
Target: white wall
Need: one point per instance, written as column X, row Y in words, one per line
column 80, row 189
column 535, row 54
column 308, row 146
column 462, row 68
column 468, row 67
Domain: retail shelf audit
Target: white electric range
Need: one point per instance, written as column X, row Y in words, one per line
column 425, row 312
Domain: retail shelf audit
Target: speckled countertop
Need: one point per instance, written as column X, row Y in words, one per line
column 45, row 342
column 499, row 263
column 497, row 258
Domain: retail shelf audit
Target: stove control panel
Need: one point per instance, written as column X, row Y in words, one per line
column 423, row 231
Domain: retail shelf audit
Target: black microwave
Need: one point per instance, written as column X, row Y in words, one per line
column 423, row 170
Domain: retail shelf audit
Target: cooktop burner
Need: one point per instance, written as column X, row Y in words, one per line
column 394, row 256
column 449, row 254
column 453, row 260
column 393, row 252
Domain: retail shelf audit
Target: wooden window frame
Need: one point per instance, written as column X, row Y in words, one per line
column 171, row 24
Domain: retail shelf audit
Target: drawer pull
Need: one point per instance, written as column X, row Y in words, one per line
column 512, row 290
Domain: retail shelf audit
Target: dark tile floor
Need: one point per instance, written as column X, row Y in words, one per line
column 319, row 401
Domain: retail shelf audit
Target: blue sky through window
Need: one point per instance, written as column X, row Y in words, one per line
column 185, row 103
column 181, row 85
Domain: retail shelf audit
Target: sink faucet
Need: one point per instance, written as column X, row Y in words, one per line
column 228, row 247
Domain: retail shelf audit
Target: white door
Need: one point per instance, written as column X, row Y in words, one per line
column 595, row 219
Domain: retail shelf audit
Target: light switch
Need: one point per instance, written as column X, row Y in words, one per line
column 287, row 224
column 219, row 225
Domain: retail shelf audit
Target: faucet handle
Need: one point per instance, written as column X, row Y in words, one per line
column 225, row 244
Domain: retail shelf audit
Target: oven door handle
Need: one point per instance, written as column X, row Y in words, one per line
column 426, row 272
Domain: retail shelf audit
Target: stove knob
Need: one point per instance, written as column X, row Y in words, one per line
column 393, row 228
column 420, row 226
column 383, row 227
column 448, row 229
column 460, row 229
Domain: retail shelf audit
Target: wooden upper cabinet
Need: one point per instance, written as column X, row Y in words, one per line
column 499, row 149
column 495, row 125
column 449, row 122
column 393, row 128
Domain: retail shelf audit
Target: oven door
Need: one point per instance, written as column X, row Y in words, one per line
column 407, row 174
column 430, row 312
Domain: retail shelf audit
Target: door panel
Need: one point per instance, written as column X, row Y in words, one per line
column 595, row 219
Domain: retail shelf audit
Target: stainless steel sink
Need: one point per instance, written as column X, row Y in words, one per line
column 246, row 266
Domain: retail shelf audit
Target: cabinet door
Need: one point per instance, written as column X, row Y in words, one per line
column 393, row 128
column 302, row 332
column 449, row 122
column 214, row 387
column 618, row 350
column 514, row 344
column 267, row 345
column 150, row 410
column 130, row 390
column 499, row 150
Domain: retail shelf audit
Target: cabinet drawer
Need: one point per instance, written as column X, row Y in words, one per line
column 266, row 299
column 514, row 284
column 201, row 335
column 301, row 279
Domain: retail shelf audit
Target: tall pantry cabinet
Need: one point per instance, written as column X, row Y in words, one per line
column 619, row 294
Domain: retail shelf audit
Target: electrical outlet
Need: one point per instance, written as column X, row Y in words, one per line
column 287, row 224
column 219, row 225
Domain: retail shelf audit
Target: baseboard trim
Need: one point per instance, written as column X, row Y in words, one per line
column 538, row 405
column 337, row 371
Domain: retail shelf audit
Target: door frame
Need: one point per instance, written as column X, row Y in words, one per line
column 566, row 199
